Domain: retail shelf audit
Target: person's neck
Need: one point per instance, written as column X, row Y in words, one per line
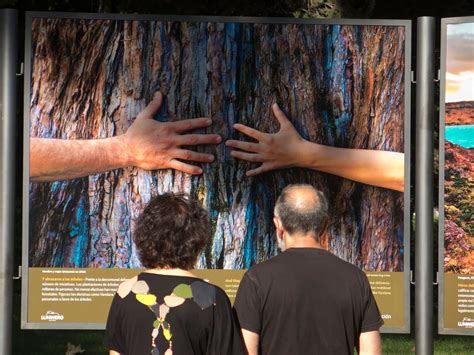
column 302, row 242
column 170, row 271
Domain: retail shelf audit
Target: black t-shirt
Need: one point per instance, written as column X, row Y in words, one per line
column 306, row 301
column 164, row 314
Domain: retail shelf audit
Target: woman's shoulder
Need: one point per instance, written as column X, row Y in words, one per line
column 135, row 284
column 126, row 286
column 215, row 295
column 200, row 291
column 203, row 293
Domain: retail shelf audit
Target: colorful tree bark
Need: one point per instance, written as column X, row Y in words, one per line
column 340, row 85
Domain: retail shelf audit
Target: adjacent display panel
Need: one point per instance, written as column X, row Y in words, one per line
column 342, row 84
column 456, row 177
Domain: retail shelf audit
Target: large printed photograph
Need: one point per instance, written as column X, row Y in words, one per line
column 459, row 149
column 230, row 113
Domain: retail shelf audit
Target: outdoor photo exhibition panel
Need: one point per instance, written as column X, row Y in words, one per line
column 456, row 177
column 343, row 84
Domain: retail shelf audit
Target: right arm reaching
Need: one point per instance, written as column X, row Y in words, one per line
column 370, row 343
column 147, row 144
column 287, row 148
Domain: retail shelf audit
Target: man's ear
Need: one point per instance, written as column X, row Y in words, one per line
column 324, row 237
column 278, row 226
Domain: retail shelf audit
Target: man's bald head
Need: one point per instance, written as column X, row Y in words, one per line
column 302, row 209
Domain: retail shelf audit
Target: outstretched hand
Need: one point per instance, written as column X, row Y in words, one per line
column 287, row 148
column 150, row 144
column 275, row 151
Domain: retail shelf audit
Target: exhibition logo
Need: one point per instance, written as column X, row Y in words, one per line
column 466, row 323
column 51, row 316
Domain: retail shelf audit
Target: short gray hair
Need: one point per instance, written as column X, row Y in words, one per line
column 310, row 218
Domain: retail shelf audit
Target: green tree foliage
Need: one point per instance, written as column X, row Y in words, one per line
column 298, row 8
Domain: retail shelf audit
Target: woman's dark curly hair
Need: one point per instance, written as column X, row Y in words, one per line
column 171, row 232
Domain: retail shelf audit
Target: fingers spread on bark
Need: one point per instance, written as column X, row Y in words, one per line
column 256, row 158
column 260, row 170
column 251, row 132
column 280, row 115
column 195, row 139
column 185, row 168
column 246, row 146
column 194, row 156
column 153, row 107
column 189, row 124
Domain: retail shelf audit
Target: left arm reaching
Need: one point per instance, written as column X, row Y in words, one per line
column 147, row 144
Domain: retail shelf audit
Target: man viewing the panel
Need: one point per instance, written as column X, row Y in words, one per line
column 306, row 300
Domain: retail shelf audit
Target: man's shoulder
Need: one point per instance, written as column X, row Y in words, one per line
column 345, row 268
column 344, row 264
column 267, row 265
column 270, row 269
column 323, row 259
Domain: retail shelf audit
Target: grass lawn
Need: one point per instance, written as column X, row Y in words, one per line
column 53, row 342
column 443, row 344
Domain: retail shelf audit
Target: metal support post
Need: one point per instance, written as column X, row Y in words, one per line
column 424, row 185
column 8, row 95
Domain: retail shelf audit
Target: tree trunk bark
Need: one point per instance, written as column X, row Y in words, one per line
column 340, row 85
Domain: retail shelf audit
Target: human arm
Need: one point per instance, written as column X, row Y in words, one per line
column 248, row 308
column 114, row 338
column 147, row 144
column 251, row 341
column 225, row 336
column 370, row 343
column 286, row 149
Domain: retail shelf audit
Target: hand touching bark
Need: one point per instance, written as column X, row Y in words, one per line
column 275, row 151
column 147, row 144
column 150, row 144
column 287, row 148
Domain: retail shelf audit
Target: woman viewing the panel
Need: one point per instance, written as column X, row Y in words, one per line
column 166, row 309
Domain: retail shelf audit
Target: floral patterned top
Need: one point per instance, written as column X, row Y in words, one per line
column 171, row 315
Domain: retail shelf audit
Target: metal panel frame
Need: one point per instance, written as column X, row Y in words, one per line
column 442, row 123
column 257, row 20
column 8, row 106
